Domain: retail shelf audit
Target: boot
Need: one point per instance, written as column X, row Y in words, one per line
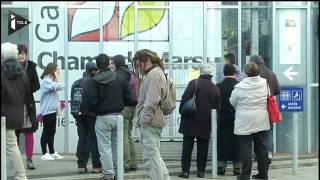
column 30, row 164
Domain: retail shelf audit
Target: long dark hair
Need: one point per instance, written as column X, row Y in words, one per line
column 49, row 70
column 143, row 55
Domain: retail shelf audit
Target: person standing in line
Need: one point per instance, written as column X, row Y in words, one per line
column 198, row 125
column 273, row 83
column 107, row 94
column 249, row 99
column 49, row 102
column 129, row 149
column 149, row 116
column 31, row 124
column 227, row 144
column 85, row 121
column 231, row 59
column 15, row 89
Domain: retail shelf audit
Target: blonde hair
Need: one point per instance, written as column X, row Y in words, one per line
column 252, row 69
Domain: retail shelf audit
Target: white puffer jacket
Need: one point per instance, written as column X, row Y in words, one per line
column 249, row 98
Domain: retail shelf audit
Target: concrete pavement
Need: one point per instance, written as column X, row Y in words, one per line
column 66, row 169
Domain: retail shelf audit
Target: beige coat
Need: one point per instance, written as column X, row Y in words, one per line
column 152, row 90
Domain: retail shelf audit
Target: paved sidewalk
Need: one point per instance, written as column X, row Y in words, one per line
column 305, row 173
column 66, row 169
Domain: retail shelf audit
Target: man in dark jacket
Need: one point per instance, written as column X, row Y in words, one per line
column 108, row 93
column 30, row 124
column 15, row 89
column 273, row 83
column 86, row 129
column 129, row 149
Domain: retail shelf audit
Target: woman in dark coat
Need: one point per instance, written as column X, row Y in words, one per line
column 30, row 122
column 198, row 125
column 227, row 144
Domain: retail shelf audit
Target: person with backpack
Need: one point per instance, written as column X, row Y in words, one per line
column 85, row 121
column 198, row 125
column 129, row 149
column 150, row 116
column 107, row 94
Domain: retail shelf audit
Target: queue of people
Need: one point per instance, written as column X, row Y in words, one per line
column 109, row 92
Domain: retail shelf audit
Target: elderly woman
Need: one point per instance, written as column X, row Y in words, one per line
column 249, row 98
column 198, row 125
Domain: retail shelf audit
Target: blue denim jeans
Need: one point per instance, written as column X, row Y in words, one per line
column 106, row 131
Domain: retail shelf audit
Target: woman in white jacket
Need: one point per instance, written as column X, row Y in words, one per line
column 249, row 98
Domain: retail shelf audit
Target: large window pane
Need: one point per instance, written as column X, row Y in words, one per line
column 256, row 38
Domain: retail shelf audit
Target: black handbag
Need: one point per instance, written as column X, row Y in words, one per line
column 189, row 107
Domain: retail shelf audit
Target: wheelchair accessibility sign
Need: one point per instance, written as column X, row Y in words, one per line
column 291, row 99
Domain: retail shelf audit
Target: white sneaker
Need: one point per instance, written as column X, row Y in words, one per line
column 56, row 156
column 47, row 157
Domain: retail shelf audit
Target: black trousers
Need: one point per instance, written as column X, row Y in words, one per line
column 202, row 153
column 260, row 148
column 87, row 142
column 49, row 130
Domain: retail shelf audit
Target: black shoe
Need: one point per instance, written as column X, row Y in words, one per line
column 240, row 177
column 183, row 175
column 200, row 174
column 237, row 171
column 269, row 161
column 258, row 176
column 30, row 164
column 221, row 170
column 133, row 169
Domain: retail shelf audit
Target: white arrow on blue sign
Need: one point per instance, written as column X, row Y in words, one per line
column 291, row 99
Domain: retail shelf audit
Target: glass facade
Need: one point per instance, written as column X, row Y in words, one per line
column 184, row 34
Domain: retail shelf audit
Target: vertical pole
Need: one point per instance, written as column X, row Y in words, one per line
column 295, row 144
column 205, row 32
column 239, row 37
column 214, row 142
column 101, row 27
column 135, row 26
column 171, row 121
column 309, row 77
column 66, row 81
column 120, row 149
column 3, row 149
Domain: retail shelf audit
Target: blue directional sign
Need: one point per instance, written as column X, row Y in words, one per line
column 291, row 99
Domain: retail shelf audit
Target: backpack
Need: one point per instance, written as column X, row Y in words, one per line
column 133, row 86
column 78, row 103
column 168, row 103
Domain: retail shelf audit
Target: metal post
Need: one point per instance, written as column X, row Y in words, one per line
column 135, row 26
column 66, row 81
column 205, row 32
column 295, row 144
column 120, row 149
column 3, row 149
column 214, row 142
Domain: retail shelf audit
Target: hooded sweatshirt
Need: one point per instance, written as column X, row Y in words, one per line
column 249, row 98
column 15, row 88
column 107, row 93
